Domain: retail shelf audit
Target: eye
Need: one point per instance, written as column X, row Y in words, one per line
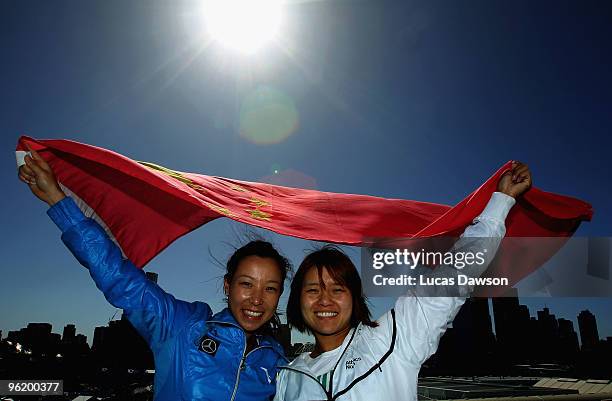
column 272, row 289
column 246, row 284
column 338, row 289
column 312, row 291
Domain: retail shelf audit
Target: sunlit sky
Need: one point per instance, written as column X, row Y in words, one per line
column 418, row 100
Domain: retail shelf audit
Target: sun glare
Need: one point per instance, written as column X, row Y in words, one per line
column 242, row 25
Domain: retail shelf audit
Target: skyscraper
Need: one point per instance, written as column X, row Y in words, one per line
column 69, row 333
column 568, row 341
column 508, row 330
column 472, row 336
column 589, row 336
column 284, row 337
column 100, row 339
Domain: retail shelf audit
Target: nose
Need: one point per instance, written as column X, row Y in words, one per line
column 257, row 297
column 324, row 298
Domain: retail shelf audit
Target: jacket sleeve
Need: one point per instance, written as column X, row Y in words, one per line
column 421, row 320
column 153, row 312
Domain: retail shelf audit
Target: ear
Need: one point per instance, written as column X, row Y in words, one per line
column 226, row 286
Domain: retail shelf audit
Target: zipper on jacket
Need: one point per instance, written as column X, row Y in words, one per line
column 329, row 394
column 242, row 365
column 244, row 354
column 239, row 370
column 331, row 376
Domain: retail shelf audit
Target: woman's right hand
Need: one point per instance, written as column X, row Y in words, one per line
column 40, row 178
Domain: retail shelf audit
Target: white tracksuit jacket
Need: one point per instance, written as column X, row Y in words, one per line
column 383, row 363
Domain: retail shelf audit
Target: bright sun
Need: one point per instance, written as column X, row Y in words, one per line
column 242, row 25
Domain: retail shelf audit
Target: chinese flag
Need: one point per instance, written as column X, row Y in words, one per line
column 145, row 207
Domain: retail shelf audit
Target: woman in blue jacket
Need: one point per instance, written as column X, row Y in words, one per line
column 198, row 356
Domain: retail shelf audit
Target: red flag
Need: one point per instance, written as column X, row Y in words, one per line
column 146, row 207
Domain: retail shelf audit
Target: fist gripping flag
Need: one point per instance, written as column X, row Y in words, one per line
column 145, row 207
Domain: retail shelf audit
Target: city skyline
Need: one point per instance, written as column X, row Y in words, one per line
column 522, row 345
column 575, row 323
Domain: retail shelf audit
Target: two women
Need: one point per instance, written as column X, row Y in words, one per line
column 227, row 356
column 198, row 356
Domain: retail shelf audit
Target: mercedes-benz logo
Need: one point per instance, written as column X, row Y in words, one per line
column 208, row 345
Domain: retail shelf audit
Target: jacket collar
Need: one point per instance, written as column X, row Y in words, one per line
column 299, row 363
column 226, row 318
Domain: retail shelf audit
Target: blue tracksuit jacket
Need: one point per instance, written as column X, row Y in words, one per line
column 198, row 355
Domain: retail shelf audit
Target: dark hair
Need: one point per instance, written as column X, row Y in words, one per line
column 263, row 249
column 343, row 271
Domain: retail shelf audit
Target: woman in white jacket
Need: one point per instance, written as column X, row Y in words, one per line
column 356, row 358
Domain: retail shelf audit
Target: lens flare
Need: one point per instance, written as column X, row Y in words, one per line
column 267, row 116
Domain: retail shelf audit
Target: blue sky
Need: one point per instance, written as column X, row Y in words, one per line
column 418, row 100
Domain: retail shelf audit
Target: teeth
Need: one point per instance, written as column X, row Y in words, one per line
column 252, row 314
column 326, row 314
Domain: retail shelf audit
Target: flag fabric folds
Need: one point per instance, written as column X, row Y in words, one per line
column 145, row 207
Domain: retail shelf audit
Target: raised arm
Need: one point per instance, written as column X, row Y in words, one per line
column 153, row 312
column 421, row 320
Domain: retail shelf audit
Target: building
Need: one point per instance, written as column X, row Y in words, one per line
column 120, row 345
column 152, row 276
column 568, row 342
column 587, row 324
column 284, row 337
column 69, row 333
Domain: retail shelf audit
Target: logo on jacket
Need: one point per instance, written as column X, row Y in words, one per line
column 209, row 345
column 350, row 364
column 267, row 374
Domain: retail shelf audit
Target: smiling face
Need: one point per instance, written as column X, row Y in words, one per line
column 326, row 307
column 254, row 291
